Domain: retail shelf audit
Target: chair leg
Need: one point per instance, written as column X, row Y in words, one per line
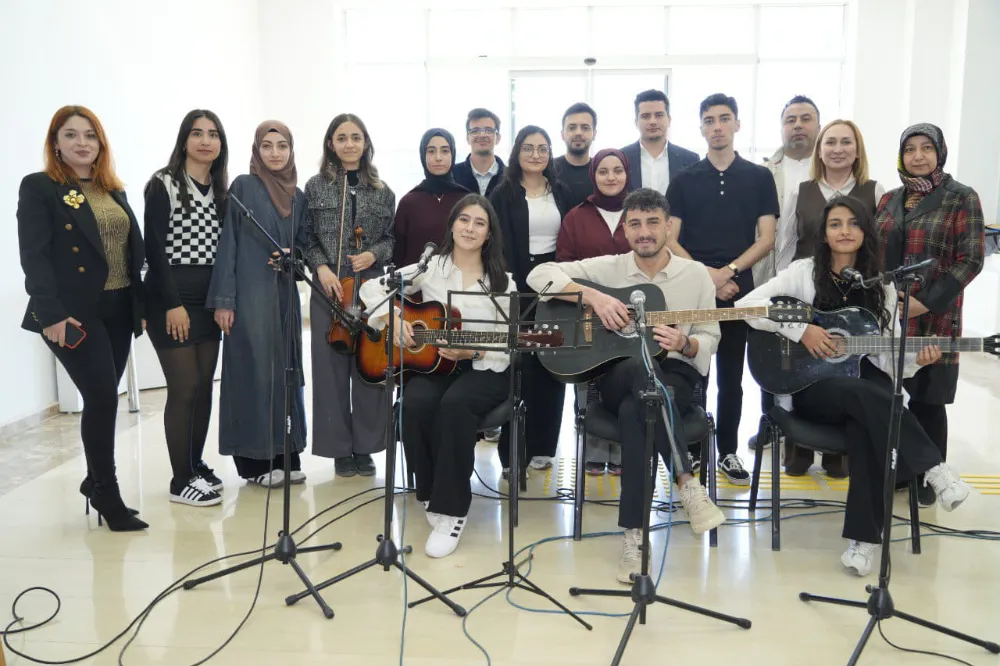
column 758, row 459
column 775, row 488
column 708, row 467
column 914, row 518
column 580, row 483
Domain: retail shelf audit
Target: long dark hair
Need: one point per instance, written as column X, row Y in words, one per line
column 219, row 169
column 494, row 264
column 512, row 174
column 868, row 262
column 331, row 165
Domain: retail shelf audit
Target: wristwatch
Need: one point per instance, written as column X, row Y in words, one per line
column 734, row 268
column 476, row 356
column 687, row 345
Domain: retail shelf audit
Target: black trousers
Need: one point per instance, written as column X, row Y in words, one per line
column 96, row 367
column 934, row 420
column 621, row 392
column 729, row 361
column 862, row 406
column 441, row 416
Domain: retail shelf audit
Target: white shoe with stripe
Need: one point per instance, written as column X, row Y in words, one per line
column 444, row 539
column 197, row 492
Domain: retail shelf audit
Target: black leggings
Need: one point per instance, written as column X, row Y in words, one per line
column 96, row 367
column 862, row 406
column 190, row 373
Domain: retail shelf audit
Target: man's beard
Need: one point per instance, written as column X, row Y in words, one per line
column 647, row 253
column 482, row 152
column 578, row 152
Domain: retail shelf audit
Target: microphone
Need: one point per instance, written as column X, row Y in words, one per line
column 425, row 256
column 638, row 301
column 848, row 274
column 903, row 271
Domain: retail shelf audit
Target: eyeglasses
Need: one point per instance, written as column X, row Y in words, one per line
column 488, row 131
column 528, row 149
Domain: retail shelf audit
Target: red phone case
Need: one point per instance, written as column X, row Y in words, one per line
column 74, row 335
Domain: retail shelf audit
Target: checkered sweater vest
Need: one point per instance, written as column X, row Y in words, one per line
column 193, row 234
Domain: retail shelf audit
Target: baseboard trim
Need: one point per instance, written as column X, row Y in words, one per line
column 30, row 421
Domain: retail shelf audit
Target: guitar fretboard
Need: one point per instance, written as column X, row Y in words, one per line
column 671, row 317
column 430, row 335
column 883, row 345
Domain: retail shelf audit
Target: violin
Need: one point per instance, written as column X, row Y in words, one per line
column 339, row 336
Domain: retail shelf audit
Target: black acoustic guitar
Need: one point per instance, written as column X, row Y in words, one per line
column 594, row 347
column 783, row 367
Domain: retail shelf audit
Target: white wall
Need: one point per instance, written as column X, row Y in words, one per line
column 140, row 67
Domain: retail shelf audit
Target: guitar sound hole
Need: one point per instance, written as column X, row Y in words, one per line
column 417, row 327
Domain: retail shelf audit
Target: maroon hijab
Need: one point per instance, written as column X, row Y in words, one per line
column 600, row 199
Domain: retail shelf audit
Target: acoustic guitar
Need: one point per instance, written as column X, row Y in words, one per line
column 429, row 326
column 783, row 367
column 591, row 348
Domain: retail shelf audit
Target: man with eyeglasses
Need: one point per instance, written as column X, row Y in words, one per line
column 482, row 170
column 653, row 161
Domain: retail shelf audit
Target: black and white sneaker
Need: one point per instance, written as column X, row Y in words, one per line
column 196, row 492
column 732, row 467
column 694, row 463
column 207, row 473
column 443, row 540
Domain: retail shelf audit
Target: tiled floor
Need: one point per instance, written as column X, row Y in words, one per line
column 105, row 579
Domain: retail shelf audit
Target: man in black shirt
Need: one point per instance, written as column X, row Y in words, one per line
column 482, row 170
column 579, row 125
column 724, row 211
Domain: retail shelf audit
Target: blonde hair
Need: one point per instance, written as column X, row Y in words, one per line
column 860, row 169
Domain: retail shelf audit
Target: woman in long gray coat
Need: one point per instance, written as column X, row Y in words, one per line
column 348, row 415
column 251, row 306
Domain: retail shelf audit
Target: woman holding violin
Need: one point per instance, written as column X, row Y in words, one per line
column 349, row 241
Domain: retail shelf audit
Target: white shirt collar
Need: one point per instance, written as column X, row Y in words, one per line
column 648, row 154
column 829, row 192
column 492, row 171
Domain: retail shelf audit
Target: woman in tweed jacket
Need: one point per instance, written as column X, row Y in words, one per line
column 348, row 415
column 932, row 216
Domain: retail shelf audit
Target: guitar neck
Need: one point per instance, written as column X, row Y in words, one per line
column 461, row 337
column 884, row 345
column 672, row 317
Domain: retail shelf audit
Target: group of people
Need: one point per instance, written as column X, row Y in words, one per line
column 709, row 233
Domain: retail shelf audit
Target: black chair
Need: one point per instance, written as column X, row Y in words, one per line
column 780, row 423
column 593, row 418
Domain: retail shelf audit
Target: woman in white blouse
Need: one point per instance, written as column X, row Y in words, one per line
column 839, row 168
column 441, row 413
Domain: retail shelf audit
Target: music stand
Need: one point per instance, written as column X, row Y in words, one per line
column 510, row 570
column 387, row 553
column 879, row 604
column 285, row 550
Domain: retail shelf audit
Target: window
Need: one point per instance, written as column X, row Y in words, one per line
column 622, row 31
column 710, row 30
column 453, row 91
column 811, row 32
column 692, row 84
column 469, row 33
column 541, row 99
column 379, row 36
column 779, row 82
column 550, row 32
column 614, row 102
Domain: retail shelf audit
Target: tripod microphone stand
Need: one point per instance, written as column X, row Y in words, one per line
column 387, row 553
column 880, row 605
column 285, row 550
column 643, row 592
column 510, row 570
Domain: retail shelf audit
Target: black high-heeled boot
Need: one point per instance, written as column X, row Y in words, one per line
column 107, row 499
column 87, row 489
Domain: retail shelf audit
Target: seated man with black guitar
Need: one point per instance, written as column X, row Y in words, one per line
column 686, row 352
column 442, row 412
column 860, row 403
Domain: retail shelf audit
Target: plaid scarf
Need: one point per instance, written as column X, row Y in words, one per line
column 917, row 187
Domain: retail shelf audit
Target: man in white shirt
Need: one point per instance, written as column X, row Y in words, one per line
column 685, row 284
column 653, row 160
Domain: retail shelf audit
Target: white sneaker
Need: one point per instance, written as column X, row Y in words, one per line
column 197, row 492
column 432, row 518
column 630, row 562
column 951, row 491
column 272, row 480
column 541, row 462
column 444, row 539
column 857, row 559
column 295, row 477
column 702, row 513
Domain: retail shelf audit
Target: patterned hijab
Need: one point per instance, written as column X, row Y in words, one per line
column 280, row 184
column 598, row 198
column 923, row 184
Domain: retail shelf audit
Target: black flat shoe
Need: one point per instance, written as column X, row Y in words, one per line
column 364, row 464
column 87, row 489
column 107, row 499
column 345, row 467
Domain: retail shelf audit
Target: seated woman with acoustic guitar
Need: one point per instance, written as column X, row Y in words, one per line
column 860, row 404
column 441, row 413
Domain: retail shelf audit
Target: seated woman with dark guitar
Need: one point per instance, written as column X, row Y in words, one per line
column 441, row 413
column 860, row 404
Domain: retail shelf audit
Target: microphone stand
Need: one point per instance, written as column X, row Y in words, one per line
column 387, row 553
column 285, row 550
column 510, row 569
column 643, row 592
column 880, row 605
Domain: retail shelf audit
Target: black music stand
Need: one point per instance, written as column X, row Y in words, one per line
column 387, row 553
column 643, row 591
column 285, row 550
column 879, row 604
column 510, row 570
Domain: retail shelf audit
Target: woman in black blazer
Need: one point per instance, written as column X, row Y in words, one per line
column 82, row 254
column 531, row 204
